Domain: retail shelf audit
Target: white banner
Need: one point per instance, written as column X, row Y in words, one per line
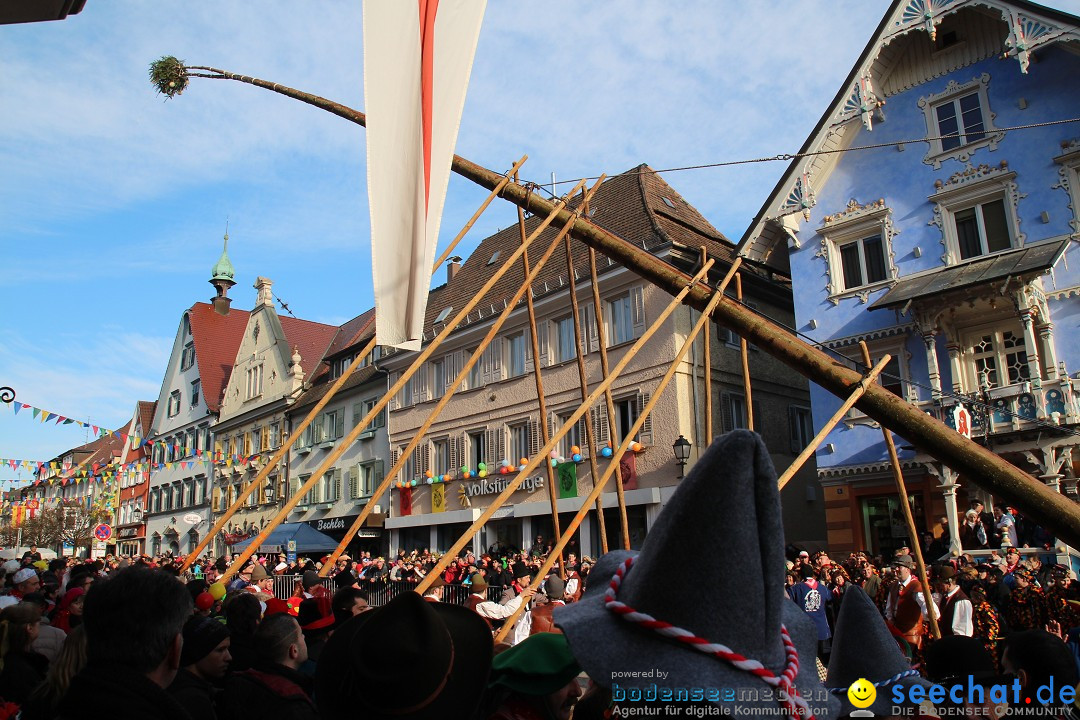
column 418, row 55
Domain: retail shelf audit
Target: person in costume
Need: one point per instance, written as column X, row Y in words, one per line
column 1026, row 607
column 534, row 680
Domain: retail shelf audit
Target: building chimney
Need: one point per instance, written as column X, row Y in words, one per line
column 265, row 296
column 452, row 267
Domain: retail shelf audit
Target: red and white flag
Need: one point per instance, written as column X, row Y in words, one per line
column 417, row 58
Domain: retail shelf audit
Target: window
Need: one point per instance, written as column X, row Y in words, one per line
column 360, row 411
column 308, row 497
column 405, row 398
column 999, row 357
column 438, row 379
column 982, row 229
column 275, row 435
column 196, row 387
column 959, row 121
column 571, row 438
column 800, row 427
column 408, row 468
column 857, row 244
column 626, row 414
column 519, row 442
column 620, row 320
column 477, row 449
column 328, row 489
column 364, row 478
column 187, row 325
column 202, row 439
column 515, row 351
column 476, row 373
column 565, row 345
column 734, row 410
column 187, row 359
column 174, row 403
column 443, row 314
column 441, row 452
column 1069, row 172
column 863, row 262
column 330, row 426
column 254, row 381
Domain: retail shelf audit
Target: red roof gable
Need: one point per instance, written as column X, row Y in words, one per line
column 311, row 338
column 217, row 340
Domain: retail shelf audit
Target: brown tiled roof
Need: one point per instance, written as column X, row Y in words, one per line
column 145, row 411
column 312, row 339
column 101, row 451
column 318, row 390
column 630, row 205
column 217, row 340
column 359, row 328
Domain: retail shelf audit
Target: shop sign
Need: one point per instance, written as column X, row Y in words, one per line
column 488, row 486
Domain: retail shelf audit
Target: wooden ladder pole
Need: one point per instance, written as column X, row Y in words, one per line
column 346, row 442
column 583, row 380
column 512, row 486
column 707, row 335
column 598, row 487
column 745, row 355
column 810, row 449
column 601, row 341
column 909, row 519
column 545, row 433
column 462, row 374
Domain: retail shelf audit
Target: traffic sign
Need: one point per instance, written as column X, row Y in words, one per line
column 103, row 532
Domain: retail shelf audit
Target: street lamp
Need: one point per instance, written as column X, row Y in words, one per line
column 681, row 448
column 137, row 514
column 269, row 491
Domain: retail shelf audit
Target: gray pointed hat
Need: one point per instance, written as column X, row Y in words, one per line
column 864, row 648
column 712, row 567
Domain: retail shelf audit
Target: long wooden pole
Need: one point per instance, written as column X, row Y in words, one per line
column 601, row 340
column 538, row 377
column 363, row 354
column 810, row 449
column 909, row 519
column 707, row 335
column 745, row 355
column 451, row 390
column 1049, row 508
column 583, row 380
column 598, row 487
column 513, row 485
column 345, row 443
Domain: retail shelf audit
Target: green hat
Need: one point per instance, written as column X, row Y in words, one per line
column 538, row 665
column 478, row 582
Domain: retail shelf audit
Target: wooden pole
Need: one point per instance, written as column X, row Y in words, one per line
column 590, row 430
column 364, row 353
column 450, row 391
column 346, row 442
column 513, row 485
column 276, row 458
column 598, row 487
column 909, row 519
column 743, row 348
column 601, row 341
column 1050, row 509
column 708, row 372
column 513, row 171
column 545, row 435
column 810, row 449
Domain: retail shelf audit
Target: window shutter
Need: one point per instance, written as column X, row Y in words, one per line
column 455, row 460
column 793, row 432
column 543, row 340
column 395, row 456
column 534, row 438
column 294, row 486
column 637, row 303
column 494, row 354
column 582, row 429
column 357, row 413
column 645, row 436
column 587, row 324
column 339, row 424
column 602, row 432
column 354, row 481
column 377, row 474
column 528, row 349
column 333, row 485
column 394, row 398
column 725, row 411
column 758, row 425
column 451, row 367
column 420, row 384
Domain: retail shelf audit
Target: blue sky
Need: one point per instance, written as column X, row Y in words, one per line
column 113, row 202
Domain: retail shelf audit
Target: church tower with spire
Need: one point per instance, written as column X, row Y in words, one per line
column 222, row 278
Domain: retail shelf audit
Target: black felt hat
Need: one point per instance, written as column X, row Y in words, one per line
column 427, row 660
column 727, row 510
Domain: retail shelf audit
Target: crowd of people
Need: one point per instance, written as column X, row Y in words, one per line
column 139, row 638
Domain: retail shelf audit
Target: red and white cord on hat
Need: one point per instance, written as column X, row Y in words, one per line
column 785, row 682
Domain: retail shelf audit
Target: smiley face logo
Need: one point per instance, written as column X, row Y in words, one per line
column 861, row 693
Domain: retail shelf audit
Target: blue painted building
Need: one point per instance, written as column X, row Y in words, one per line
column 934, row 213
